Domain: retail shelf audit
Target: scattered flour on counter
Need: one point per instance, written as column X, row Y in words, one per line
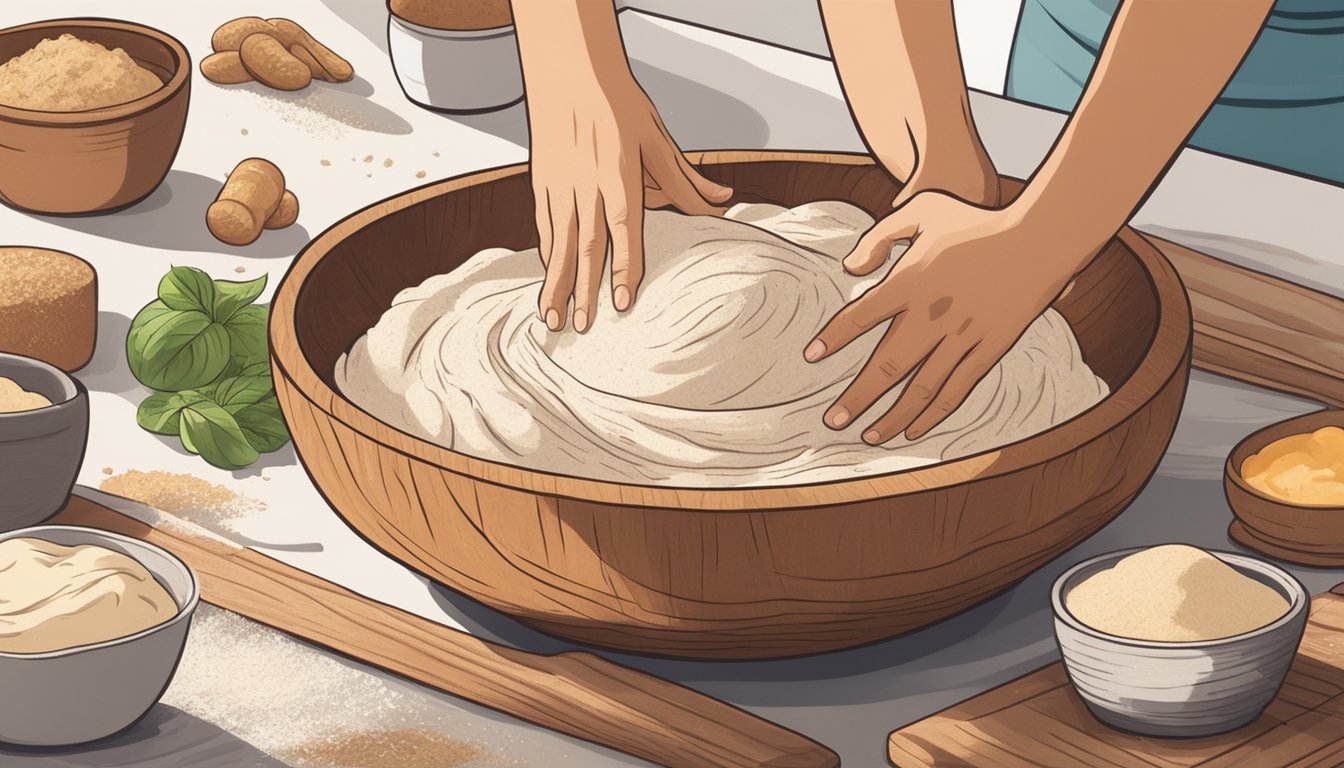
column 702, row 383
column 194, row 499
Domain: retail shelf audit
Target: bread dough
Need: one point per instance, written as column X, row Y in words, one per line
column 54, row 597
column 702, row 383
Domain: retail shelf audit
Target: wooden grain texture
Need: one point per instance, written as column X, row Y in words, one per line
column 1261, row 329
column 725, row 573
column 1038, row 721
column 1309, row 535
column 574, row 693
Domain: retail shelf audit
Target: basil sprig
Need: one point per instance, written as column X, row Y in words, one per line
column 202, row 347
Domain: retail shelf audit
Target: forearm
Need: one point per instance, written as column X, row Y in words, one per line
column 900, row 69
column 1162, row 67
column 564, row 43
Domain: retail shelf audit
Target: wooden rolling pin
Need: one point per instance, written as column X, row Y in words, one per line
column 578, row 694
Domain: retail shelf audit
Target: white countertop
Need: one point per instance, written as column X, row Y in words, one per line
column 715, row 91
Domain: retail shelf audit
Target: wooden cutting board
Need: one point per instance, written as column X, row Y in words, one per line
column 1038, row 721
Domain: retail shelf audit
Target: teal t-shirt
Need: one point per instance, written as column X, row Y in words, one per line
column 1284, row 106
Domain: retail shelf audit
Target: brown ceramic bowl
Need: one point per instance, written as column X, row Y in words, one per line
column 102, row 159
column 1298, row 533
column 715, row 572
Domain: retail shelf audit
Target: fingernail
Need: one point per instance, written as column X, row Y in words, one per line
column 815, row 351
column 913, row 434
column 621, row 298
column 850, row 265
column 838, row 418
column 872, row 437
column 553, row 319
column 580, row 320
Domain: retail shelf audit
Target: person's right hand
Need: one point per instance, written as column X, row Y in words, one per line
column 600, row 155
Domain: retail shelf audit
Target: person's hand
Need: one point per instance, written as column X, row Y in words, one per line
column 957, row 300
column 600, row 155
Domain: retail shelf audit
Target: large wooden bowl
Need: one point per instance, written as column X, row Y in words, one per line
column 727, row 573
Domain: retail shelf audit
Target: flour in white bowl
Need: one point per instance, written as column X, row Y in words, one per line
column 702, row 383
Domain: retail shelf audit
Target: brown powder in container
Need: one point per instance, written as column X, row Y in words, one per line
column 405, row 748
column 67, row 74
column 193, row 498
column 458, row 14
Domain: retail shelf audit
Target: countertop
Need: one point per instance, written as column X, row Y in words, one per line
column 714, row 90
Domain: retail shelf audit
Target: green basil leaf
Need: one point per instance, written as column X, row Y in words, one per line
column 209, row 430
column 173, row 350
column 263, row 424
column 247, row 335
column 187, row 288
column 231, row 297
column 236, row 392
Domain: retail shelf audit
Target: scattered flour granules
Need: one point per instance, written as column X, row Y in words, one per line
column 67, row 74
column 194, row 499
column 1174, row 593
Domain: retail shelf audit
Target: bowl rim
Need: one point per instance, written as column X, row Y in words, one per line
column 72, row 385
column 184, row 610
column 1261, row 438
column 1164, row 360
column 448, row 33
column 180, row 77
column 1299, row 599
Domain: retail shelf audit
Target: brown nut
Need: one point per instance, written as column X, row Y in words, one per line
column 270, row 63
column 286, row 213
column 288, row 32
column 230, row 35
column 225, row 68
column 249, row 198
column 306, row 56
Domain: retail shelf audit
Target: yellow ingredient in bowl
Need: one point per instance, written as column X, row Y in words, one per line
column 54, row 597
column 14, row 398
column 1301, row 469
column 68, row 74
column 1174, row 593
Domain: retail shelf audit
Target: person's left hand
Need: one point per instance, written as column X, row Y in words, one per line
column 971, row 282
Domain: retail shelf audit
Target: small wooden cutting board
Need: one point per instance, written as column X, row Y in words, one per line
column 1038, row 721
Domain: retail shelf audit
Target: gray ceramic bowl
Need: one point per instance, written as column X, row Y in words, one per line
column 40, row 450
column 464, row 71
column 89, row 692
column 1187, row 689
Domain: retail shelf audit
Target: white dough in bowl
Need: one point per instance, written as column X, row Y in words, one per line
column 702, row 383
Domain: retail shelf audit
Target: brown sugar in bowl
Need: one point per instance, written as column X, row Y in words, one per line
column 1299, row 533
column 724, row 572
column 97, row 160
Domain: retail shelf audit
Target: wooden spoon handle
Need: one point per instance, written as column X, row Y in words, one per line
column 579, row 694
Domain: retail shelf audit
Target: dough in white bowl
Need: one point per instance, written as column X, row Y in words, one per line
column 702, row 383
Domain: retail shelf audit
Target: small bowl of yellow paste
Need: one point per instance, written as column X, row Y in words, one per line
column 92, row 626
column 1285, row 483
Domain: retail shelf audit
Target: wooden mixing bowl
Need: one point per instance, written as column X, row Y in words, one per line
column 98, row 160
column 723, row 573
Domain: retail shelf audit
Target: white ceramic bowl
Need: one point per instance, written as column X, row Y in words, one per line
column 462, row 71
column 80, row 694
column 1187, row 689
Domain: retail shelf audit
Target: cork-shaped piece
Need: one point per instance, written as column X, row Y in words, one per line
column 48, row 306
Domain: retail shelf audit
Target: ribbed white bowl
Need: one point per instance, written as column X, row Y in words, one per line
column 1188, row 689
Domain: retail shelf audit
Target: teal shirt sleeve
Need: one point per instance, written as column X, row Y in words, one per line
column 1284, row 106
